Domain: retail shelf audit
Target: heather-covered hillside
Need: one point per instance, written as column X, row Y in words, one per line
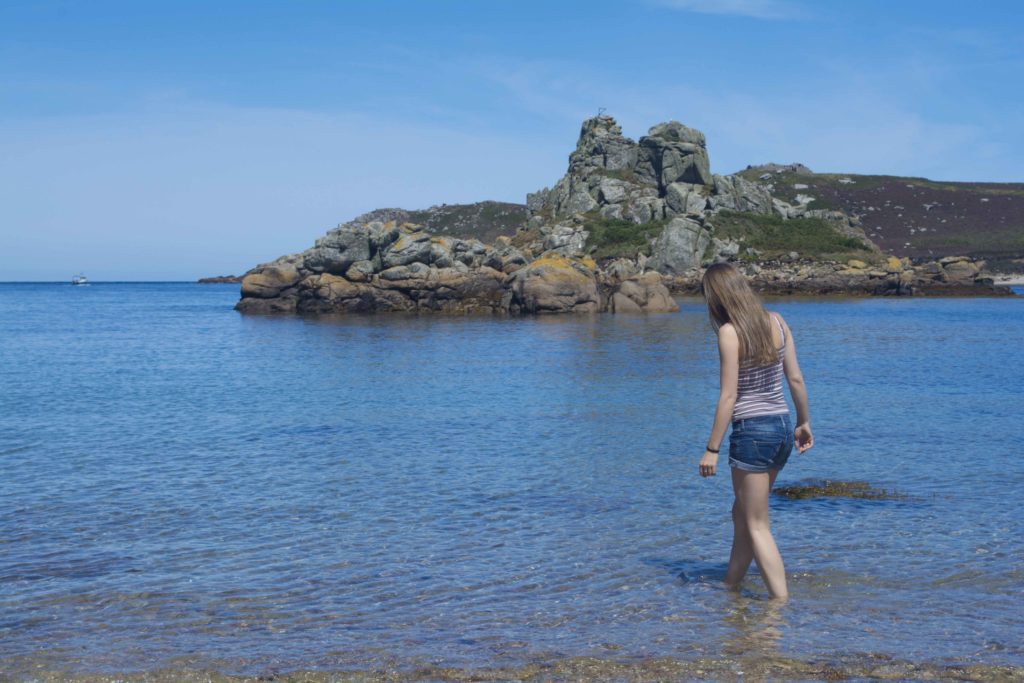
column 915, row 217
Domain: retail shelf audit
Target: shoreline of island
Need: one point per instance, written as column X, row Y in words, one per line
column 630, row 223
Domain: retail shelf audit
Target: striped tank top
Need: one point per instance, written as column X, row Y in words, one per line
column 759, row 388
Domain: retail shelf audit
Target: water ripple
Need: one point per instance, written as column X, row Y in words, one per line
column 183, row 484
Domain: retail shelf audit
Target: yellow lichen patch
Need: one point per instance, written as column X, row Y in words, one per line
column 557, row 267
column 562, row 275
column 589, row 262
column 856, row 263
column 893, row 264
column 554, row 260
column 404, row 240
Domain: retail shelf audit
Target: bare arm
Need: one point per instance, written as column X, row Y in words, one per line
column 798, row 390
column 729, row 362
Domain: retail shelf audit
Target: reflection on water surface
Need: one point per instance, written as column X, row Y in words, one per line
column 183, row 484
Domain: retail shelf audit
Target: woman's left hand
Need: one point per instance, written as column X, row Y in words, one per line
column 708, row 464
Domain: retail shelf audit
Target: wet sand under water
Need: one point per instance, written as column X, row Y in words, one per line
column 852, row 667
column 455, row 499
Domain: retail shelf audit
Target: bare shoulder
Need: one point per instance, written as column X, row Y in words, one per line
column 728, row 338
column 728, row 343
column 781, row 319
column 727, row 331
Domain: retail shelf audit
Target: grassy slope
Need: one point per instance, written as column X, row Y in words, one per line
column 484, row 220
column 611, row 238
column 774, row 237
column 983, row 220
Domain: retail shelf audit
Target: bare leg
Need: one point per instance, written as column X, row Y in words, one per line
column 752, row 534
column 742, row 553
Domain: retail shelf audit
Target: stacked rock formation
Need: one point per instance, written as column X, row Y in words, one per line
column 620, row 178
column 665, row 176
column 382, row 261
column 382, row 266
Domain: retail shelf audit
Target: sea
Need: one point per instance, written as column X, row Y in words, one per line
column 185, row 488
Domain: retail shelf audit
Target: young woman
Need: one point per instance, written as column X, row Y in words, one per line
column 755, row 349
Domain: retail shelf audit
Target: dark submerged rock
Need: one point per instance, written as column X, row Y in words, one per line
column 830, row 488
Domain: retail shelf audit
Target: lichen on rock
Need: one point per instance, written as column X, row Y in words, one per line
column 555, row 283
column 629, row 222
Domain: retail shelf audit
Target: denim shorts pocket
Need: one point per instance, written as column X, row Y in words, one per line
column 762, row 438
column 758, row 453
column 776, row 452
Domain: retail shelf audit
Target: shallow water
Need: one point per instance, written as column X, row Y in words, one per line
column 182, row 483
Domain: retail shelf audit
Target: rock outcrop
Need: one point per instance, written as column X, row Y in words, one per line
column 673, row 153
column 484, row 221
column 644, row 293
column 950, row 276
column 638, row 181
column 555, row 283
column 382, row 266
column 913, row 217
column 665, row 176
column 778, row 168
column 396, row 260
column 680, row 246
column 220, row 279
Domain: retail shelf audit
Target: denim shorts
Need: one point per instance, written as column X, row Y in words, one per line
column 762, row 443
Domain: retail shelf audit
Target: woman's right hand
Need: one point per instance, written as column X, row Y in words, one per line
column 803, row 437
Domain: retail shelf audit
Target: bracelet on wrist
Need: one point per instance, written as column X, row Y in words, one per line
column 710, row 449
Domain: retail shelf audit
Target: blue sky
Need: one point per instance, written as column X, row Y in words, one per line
column 170, row 140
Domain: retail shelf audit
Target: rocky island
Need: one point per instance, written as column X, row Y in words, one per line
column 220, row 280
column 629, row 223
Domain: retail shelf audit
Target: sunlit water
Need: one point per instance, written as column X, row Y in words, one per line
column 178, row 481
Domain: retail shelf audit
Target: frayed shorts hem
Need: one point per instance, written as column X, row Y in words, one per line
column 746, row 467
column 762, row 443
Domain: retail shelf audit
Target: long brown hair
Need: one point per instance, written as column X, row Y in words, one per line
column 730, row 300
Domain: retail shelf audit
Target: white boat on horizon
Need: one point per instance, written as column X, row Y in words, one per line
column 79, row 280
